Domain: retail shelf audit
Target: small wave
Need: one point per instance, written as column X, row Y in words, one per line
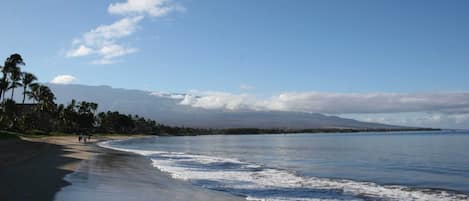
column 257, row 182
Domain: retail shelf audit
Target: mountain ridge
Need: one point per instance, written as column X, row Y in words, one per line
column 166, row 110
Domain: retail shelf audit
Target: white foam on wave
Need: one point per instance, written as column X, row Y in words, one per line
column 106, row 144
column 252, row 180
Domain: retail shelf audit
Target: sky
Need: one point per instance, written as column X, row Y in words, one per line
column 398, row 62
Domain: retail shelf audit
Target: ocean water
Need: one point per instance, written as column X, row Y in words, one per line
column 335, row 166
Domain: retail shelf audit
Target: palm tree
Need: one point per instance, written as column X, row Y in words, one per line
column 12, row 63
column 45, row 107
column 27, row 80
column 70, row 115
column 4, row 83
column 15, row 77
column 33, row 92
column 3, row 87
column 1, row 82
column 43, row 96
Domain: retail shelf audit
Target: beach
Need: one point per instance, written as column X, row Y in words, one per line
column 44, row 169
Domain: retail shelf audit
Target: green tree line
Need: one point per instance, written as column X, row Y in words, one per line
column 38, row 111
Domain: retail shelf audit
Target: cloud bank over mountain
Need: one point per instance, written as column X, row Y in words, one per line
column 438, row 109
column 301, row 110
column 336, row 103
column 169, row 108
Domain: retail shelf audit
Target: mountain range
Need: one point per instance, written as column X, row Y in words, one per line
column 166, row 109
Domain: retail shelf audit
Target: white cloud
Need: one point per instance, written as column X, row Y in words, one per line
column 336, row 103
column 104, row 42
column 218, row 100
column 63, row 79
column 440, row 109
column 114, row 50
column 340, row 103
column 80, row 51
column 155, row 8
column 421, row 119
column 175, row 96
column 110, row 33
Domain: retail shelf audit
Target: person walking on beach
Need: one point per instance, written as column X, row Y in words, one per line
column 79, row 138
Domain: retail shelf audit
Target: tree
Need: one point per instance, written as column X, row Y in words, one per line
column 70, row 117
column 32, row 92
column 114, row 122
column 27, row 80
column 12, row 64
column 86, row 115
column 43, row 96
column 3, row 82
column 15, row 77
column 45, row 109
column 9, row 114
column 3, row 87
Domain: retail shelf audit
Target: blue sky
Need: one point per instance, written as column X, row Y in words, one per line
column 249, row 48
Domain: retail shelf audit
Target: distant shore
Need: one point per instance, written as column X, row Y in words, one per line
column 253, row 131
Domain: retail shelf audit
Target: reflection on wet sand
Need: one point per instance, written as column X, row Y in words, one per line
column 122, row 176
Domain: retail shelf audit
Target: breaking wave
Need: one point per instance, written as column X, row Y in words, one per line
column 258, row 182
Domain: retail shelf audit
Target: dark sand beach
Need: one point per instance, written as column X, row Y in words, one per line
column 59, row 168
column 33, row 169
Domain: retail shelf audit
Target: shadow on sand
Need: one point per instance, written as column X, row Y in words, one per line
column 35, row 178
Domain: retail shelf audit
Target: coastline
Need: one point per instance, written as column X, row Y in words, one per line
column 247, row 167
column 43, row 169
column 33, row 168
column 114, row 175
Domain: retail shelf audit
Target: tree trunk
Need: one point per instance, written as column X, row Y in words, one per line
column 12, row 93
column 24, row 93
column 2, row 90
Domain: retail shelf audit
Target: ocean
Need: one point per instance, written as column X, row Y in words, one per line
column 334, row 166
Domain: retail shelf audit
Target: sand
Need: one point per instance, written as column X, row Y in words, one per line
column 41, row 169
column 34, row 168
column 121, row 176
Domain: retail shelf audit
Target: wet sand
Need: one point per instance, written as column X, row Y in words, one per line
column 119, row 176
column 60, row 168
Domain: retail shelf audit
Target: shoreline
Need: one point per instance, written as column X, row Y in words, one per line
column 44, row 168
column 114, row 175
column 34, row 168
column 190, row 162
